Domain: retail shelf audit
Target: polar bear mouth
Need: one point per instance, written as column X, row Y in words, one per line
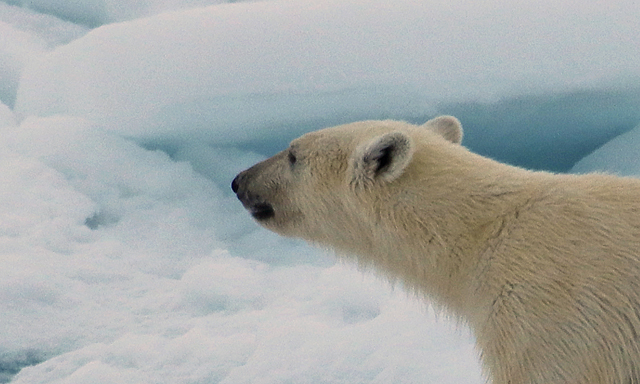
column 262, row 211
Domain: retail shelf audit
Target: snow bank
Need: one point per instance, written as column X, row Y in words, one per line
column 7, row 118
column 16, row 48
column 547, row 131
column 231, row 73
column 619, row 156
column 309, row 332
column 86, row 211
column 93, row 13
column 128, row 184
column 49, row 29
column 25, row 36
column 125, row 256
column 108, row 275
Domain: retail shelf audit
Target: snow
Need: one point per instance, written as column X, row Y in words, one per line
column 25, row 36
column 16, row 48
column 127, row 259
column 7, row 118
column 548, row 131
column 619, row 156
column 113, row 272
column 265, row 59
column 97, row 12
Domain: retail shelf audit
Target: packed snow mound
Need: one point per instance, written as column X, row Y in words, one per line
column 79, row 203
column 7, row 118
column 125, row 257
column 232, row 72
column 93, row 13
column 115, row 269
column 281, row 331
column 26, row 36
column 16, row 49
column 619, row 156
column 50, row 29
column 547, row 131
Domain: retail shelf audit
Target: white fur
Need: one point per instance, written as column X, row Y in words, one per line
column 447, row 126
column 365, row 161
column 544, row 268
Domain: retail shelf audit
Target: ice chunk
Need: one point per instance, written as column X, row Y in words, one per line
column 620, row 156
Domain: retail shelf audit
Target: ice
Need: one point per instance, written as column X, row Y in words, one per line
column 252, row 67
column 24, row 37
column 7, row 118
column 108, row 275
column 78, row 202
column 548, row 131
column 93, row 13
column 16, row 48
column 51, row 30
column 127, row 259
column 619, row 156
column 227, row 285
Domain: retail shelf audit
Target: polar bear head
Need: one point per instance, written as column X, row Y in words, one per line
column 331, row 186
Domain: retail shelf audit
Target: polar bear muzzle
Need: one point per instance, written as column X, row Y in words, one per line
column 259, row 208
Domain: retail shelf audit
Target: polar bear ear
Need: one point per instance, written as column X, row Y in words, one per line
column 446, row 126
column 383, row 158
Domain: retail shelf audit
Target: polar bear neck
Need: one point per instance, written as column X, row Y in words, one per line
column 443, row 236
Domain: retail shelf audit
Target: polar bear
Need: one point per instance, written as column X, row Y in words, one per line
column 544, row 268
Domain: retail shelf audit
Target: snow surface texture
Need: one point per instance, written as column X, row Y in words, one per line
column 23, row 37
column 619, row 156
column 94, row 13
column 125, row 257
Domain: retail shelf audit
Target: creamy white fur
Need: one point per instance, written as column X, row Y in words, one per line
column 544, row 268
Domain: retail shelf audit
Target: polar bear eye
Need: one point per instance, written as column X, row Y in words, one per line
column 292, row 157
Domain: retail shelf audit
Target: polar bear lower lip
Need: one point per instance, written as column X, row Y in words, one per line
column 262, row 211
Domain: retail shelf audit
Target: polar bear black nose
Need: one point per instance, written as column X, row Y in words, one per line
column 234, row 184
column 259, row 209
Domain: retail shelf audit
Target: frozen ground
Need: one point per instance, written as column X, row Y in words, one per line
column 124, row 256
